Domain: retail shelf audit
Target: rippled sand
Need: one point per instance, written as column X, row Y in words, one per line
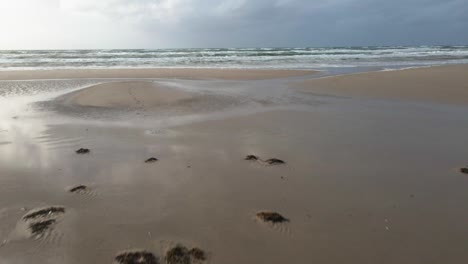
column 365, row 180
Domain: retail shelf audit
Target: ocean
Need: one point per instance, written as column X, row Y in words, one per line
column 275, row 58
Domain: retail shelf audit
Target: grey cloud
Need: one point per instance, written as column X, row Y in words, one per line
column 311, row 23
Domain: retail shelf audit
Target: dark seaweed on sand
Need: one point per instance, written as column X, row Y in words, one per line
column 275, row 161
column 82, row 151
column 182, row 255
column 272, row 161
column 178, row 255
column 251, row 157
column 151, row 160
column 41, row 226
column 136, row 257
column 197, row 254
column 44, row 212
column 272, row 217
column 78, row 188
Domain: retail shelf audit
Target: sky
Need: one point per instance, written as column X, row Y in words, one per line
column 100, row 24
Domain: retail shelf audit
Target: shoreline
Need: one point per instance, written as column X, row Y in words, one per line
column 228, row 74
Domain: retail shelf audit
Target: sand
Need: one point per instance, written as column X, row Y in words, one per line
column 126, row 95
column 179, row 73
column 445, row 84
column 364, row 181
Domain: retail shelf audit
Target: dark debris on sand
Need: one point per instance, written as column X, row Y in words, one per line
column 197, row 254
column 83, row 151
column 78, row 188
column 178, row 255
column 151, row 160
column 136, row 257
column 272, row 217
column 272, row 161
column 251, row 157
column 44, row 212
column 37, row 228
column 464, row 170
column 275, row 161
column 182, row 255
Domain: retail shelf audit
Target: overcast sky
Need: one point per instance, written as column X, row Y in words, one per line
column 70, row 24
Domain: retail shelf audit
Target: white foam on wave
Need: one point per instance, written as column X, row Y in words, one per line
column 274, row 58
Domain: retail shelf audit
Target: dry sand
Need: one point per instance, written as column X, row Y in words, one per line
column 445, row 84
column 226, row 74
column 365, row 181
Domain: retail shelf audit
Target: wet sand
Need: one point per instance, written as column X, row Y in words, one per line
column 176, row 73
column 126, row 94
column 444, row 84
column 365, row 181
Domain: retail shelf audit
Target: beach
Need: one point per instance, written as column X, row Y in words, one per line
column 445, row 84
column 369, row 172
column 175, row 73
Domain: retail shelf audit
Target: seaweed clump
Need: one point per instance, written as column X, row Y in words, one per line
column 272, row 161
column 272, row 217
column 151, row 160
column 83, row 151
column 197, row 254
column 178, row 255
column 78, row 188
column 275, row 161
column 251, row 157
column 38, row 228
column 136, row 257
column 182, row 255
column 44, row 212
